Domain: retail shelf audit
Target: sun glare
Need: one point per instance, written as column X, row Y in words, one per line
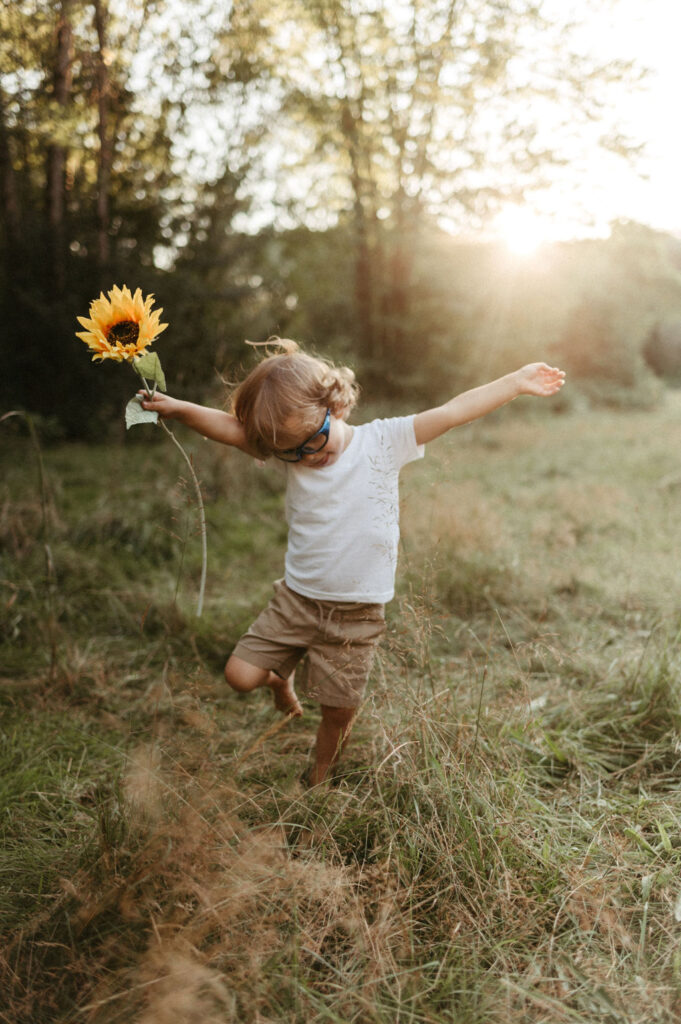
column 521, row 230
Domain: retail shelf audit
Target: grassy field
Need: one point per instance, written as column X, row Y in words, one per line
column 503, row 840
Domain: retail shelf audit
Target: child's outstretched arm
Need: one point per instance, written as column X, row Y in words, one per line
column 533, row 379
column 211, row 423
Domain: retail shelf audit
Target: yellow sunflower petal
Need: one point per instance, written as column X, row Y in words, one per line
column 88, row 337
column 106, row 313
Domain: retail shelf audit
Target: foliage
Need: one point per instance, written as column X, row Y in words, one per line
column 478, row 311
column 268, row 169
column 662, row 350
column 91, row 182
column 587, row 305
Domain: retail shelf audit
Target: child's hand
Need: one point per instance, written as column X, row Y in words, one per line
column 164, row 405
column 540, row 379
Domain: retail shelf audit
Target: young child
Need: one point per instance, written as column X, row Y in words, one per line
column 342, row 510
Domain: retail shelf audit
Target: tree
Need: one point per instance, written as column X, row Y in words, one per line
column 86, row 175
column 56, row 149
column 662, row 350
column 399, row 112
column 104, row 96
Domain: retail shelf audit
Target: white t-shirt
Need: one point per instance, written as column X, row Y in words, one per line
column 344, row 519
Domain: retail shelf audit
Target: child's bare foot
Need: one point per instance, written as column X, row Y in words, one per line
column 285, row 697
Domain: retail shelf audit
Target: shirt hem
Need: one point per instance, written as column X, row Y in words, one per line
column 357, row 597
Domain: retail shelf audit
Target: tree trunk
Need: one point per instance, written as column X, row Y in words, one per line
column 397, row 311
column 56, row 154
column 364, row 292
column 8, row 189
column 364, row 264
column 395, row 299
column 105, row 141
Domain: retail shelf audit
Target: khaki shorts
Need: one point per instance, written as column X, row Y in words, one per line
column 339, row 638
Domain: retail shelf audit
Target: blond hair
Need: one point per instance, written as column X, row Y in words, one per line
column 289, row 383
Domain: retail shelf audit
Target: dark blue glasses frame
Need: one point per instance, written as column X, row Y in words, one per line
column 299, row 453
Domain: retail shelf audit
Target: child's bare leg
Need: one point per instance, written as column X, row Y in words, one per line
column 244, row 677
column 285, row 697
column 331, row 737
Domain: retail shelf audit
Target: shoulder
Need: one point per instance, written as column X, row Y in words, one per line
column 389, row 426
column 394, row 438
column 396, row 430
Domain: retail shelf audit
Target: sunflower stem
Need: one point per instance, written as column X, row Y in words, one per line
column 150, row 391
column 202, row 515
column 199, row 499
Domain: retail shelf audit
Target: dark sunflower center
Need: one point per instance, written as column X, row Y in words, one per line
column 126, row 332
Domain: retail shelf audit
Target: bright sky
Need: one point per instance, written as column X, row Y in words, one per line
column 649, row 31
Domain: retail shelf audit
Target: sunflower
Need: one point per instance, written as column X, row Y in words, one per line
column 122, row 326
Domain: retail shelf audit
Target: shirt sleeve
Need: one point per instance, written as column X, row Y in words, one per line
column 404, row 440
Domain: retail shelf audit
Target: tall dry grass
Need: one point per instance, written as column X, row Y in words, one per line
column 502, row 840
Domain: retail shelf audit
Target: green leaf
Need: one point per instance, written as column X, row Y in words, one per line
column 149, row 368
column 559, row 754
column 647, row 887
column 134, row 413
column 642, row 842
column 664, row 836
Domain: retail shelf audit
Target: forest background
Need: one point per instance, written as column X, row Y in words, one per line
column 324, row 170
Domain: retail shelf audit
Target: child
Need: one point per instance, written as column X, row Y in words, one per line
column 342, row 510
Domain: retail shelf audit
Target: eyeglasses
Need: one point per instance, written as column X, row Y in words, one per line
column 306, row 448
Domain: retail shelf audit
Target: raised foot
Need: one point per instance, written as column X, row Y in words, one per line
column 285, row 698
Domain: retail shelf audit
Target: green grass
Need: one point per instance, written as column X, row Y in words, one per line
column 503, row 840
